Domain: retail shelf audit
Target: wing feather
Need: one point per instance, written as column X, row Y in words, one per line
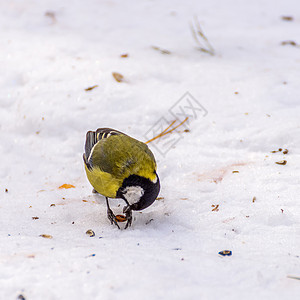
column 92, row 138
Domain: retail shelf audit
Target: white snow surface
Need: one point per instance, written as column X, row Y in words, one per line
column 51, row 51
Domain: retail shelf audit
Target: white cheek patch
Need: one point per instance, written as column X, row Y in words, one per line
column 133, row 194
column 155, row 179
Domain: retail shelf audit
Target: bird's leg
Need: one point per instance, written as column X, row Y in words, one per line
column 128, row 213
column 111, row 215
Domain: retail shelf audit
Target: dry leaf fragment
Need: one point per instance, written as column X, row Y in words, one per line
column 285, row 151
column 124, row 55
column 254, row 199
column 46, row 236
column 287, row 18
column 85, row 201
column 121, row 218
column 66, row 186
column 162, row 51
column 51, row 205
column 292, row 43
column 216, row 207
column 118, row 77
column 282, row 162
column 91, row 87
column 35, row 218
column 160, row 198
column 90, row 232
column 51, row 15
column 235, row 171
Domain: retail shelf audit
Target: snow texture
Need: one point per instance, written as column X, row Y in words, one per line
column 51, row 51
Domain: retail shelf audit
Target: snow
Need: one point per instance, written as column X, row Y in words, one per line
column 52, row 51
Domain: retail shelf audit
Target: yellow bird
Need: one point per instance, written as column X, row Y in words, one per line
column 119, row 166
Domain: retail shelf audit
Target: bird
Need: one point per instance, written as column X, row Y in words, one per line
column 119, row 166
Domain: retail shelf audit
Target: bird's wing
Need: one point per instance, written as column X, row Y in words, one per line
column 92, row 138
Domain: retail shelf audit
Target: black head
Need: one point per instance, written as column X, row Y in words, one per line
column 139, row 192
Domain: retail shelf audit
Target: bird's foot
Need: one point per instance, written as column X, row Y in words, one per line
column 112, row 217
column 128, row 213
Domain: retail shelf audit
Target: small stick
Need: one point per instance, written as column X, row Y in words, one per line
column 168, row 127
column 197, row 31
column 166, row 132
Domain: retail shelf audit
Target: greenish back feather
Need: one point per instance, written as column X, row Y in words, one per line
column 115, row 158
column 122, row 156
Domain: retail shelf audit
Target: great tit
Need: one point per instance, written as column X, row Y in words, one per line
column 119, row 166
